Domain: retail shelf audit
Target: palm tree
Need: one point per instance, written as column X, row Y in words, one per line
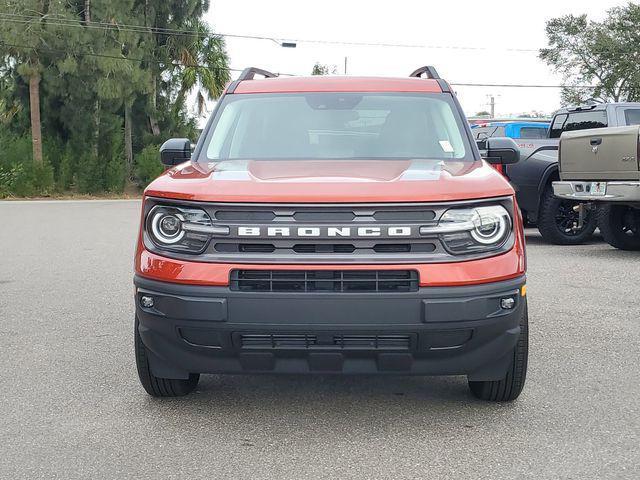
column 203, row 64
column 27, row 61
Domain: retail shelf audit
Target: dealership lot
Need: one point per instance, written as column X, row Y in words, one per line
column 73, row 408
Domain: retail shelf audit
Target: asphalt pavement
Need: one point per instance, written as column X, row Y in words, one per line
column 71, row 405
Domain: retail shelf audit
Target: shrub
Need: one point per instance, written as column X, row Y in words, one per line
column 147, row 165
column 8, row 178
column 90, row 174
column 19, row 175
column 42, row 177
column 66, row 169
column 116, row 171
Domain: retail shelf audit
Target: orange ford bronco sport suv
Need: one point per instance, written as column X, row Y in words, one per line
column 332, row 225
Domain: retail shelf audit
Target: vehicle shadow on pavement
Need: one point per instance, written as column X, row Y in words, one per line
column 239, row 394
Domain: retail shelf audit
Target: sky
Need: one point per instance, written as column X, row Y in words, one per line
column 467, row 41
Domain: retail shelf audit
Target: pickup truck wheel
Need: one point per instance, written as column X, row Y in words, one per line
column 511, row 385
column 155, row 386
column 620, row 226
column 557, row 218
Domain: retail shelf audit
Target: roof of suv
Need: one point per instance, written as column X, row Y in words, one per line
column 338, row 84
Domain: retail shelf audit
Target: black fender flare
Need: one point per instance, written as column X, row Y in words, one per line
column 551, row 171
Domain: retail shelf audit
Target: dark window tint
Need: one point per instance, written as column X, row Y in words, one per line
column 556, row 126
column 584, row 120
column 533, row 132
column 579, row 121
column 632, row 116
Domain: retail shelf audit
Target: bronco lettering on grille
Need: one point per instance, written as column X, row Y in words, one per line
column 313, row 231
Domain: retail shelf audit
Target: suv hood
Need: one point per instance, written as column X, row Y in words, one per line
column 330, row 181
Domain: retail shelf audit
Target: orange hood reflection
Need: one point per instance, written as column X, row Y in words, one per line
column 330, row 181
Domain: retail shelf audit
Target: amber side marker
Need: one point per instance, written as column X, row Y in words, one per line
column 523, row 290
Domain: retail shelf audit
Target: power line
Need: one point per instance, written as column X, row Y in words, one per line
column 65, row 22
column 519, row 85
column 116, row 57
column 178, row 64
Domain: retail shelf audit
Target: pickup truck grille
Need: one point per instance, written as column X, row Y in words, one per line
column 335, row 281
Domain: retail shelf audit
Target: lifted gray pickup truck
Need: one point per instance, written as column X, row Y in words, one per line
column 561, row 220
column 602, row 165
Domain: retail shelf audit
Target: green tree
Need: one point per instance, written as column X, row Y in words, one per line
column 180, row 64
column 202, row 65
column 103, row 90
column 9, row 107
column 603, row 54
column 28, row 62
column 319, row 69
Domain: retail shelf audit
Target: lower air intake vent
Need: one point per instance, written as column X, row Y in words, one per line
column 303, row 341
column 337, row 281
column 373, row 342
column 298, row 341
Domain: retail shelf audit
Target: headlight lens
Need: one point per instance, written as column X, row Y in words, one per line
column 180, row 229
column 167, row 228
column 472, row 230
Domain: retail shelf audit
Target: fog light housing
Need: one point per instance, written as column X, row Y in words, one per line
column 146, row 301
column 507, row 303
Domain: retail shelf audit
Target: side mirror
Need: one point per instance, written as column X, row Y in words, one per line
column 175, row 151
column 499, row 150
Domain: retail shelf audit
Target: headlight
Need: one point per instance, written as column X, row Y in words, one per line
column 473, row 230
column 181, row 229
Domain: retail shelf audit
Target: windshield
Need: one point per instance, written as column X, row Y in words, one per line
column 336, row 126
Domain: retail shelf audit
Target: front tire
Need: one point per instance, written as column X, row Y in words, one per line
column 620, row 226
column 509, row 387
column 556, row 218
column 156, row 386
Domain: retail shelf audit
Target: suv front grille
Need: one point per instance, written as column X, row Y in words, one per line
column 325, row 233
column 328, row 234
column 340, row 281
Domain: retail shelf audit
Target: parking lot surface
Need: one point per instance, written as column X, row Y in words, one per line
column 72, row 406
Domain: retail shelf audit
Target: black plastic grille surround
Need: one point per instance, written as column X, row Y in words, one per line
column 340, row 281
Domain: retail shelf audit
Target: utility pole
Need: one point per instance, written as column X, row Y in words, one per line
column 345, row 65
column 492, row 105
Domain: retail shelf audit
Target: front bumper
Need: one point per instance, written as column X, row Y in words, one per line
column 434, row 331
column 616, row 191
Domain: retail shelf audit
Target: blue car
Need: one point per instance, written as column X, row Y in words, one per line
column 513, row 129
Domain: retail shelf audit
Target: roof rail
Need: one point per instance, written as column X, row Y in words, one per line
column 249, row 73
column 429, row 70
